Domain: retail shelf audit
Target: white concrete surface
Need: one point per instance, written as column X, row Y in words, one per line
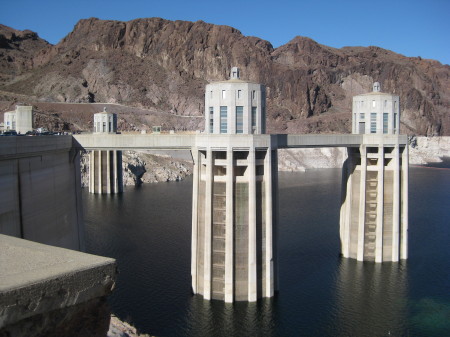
column 37, row 278
column 376, row 113
column 235, row 106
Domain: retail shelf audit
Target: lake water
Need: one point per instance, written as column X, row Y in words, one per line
column 148, row 230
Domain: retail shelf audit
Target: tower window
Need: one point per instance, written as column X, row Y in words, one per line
column 239, row 94
column 223, row 119
column 211, row 119
column 253, row 94
column 373, row 122
column 385, row 123
column 253, row 119
column 395, row 122
column 361, row 116
column 224, row 94
column 239, row 119
column 374, row 104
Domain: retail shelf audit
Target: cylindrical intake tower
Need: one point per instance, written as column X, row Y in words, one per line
column 234, row 196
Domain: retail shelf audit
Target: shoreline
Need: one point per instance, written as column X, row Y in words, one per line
column 143, row 167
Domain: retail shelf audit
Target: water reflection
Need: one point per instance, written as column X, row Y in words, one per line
column 215, row 318
column 148, row 231
column 371, row 299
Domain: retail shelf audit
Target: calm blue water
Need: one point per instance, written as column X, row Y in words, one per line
column 148, row 231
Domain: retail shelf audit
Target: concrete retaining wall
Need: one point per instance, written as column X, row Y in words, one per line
column 40, row 195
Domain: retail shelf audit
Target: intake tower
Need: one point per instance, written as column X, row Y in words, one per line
column 234, row 196
column 374, row 208
column 105, row 166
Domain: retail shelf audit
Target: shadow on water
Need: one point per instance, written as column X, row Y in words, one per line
column 215, row 318
column 445, row 163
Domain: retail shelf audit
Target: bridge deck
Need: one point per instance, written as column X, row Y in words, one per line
column 186, row 142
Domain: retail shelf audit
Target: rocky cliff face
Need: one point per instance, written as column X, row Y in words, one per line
column 428, row 150
column 422, row 151
column 163, row 66
column 17, row 52
column 141, row 167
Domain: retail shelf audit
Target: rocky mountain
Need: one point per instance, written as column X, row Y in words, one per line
column 162, row 67
column 17, row 51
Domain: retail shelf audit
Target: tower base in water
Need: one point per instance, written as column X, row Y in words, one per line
column 105, row 172
column 234, row 212
column 374, row 207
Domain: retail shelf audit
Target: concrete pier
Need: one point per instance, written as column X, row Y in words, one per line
column 105, row 172
column 233, row 223
column 374, row 203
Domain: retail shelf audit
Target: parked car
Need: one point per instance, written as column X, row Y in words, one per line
column 9, row 133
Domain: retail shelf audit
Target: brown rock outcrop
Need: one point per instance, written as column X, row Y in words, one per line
column 163, row 66
column 17, row 51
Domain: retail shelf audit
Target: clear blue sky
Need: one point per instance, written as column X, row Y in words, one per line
column 412, row 28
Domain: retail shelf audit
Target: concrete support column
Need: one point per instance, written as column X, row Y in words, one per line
column 119, row 176
column 196, row 172
column 396, row 205
column 78, row 201
column 404, row 204
column 107, row 179
column 252, row 268
column 275, row 219
column 346, row 203
column 362, row 204
column 229, row 228
column 99, row 176
column 269, row 276
column 115, row 172
column 207, row 264
column 95, row 172
column 91, row 171
column 380, row 206
column 108, row 172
